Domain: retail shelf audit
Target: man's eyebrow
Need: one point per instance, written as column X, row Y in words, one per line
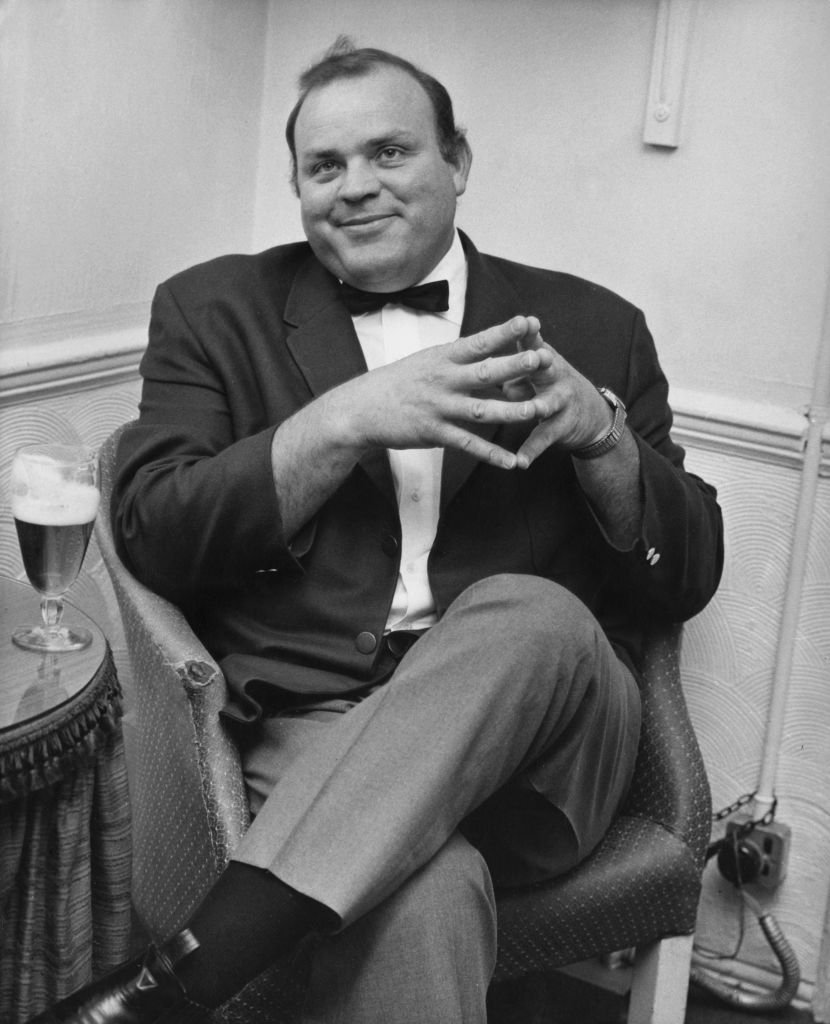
column 397, row 135
column 400, row 135
column 313, row 155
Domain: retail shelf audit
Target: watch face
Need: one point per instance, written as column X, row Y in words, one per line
column 611, row 398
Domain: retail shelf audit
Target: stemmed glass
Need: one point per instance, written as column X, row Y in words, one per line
column 55, row 496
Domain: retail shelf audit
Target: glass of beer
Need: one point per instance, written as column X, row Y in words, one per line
column 54, row 492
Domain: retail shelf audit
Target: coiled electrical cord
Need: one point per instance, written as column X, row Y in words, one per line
column 758, row 1002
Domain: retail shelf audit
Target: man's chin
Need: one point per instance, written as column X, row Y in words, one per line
column 376, row 275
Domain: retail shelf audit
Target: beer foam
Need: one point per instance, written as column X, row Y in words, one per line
column 66, row 504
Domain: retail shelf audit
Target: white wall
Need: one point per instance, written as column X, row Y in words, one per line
column 129, row 150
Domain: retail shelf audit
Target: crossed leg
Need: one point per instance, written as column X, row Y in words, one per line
column 511, row 719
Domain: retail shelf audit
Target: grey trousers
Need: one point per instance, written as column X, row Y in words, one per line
column 499, row 751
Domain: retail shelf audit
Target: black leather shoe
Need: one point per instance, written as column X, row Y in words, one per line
column 144, row 991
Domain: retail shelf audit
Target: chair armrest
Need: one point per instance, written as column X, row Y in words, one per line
column 190, row 808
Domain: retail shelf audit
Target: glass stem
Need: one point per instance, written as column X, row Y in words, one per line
column 51, row 611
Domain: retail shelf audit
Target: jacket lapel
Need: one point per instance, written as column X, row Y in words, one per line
column 490, row 300
column 322, row 339
column 321, row 335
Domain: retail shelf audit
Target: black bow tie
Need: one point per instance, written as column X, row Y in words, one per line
column 433, row 297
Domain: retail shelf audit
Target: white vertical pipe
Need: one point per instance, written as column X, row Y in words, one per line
column 818, row 415
column 669, row 67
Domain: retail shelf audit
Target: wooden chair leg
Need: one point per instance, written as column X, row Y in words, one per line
column 660, row 982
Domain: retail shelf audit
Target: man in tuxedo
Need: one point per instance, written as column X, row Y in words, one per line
column 421, row 504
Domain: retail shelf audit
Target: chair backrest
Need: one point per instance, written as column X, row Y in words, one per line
column 670, row 783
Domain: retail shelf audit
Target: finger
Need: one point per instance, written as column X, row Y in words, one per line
column 538, row 441
column 550, row 404
column 492, row 410
column 497, row 370
column 518, row 390
column 478, row 448
column 533, row 335
column 532, row 339
column 500, row 338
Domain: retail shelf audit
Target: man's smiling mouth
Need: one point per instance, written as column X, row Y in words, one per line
column 366, row 221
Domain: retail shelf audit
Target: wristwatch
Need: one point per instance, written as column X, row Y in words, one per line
column 612, row 437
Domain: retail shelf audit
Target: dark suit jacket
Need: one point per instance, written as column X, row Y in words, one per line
column 240, row 343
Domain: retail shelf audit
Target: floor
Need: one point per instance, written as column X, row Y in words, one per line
column 557, row 999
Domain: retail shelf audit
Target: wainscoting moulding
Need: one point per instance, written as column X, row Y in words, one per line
column 47, row 357
column 753, row 430
column 36, row 363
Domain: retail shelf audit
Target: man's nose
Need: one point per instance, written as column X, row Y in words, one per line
column 358, row 181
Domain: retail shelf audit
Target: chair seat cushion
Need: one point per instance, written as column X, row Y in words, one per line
column 640, row 884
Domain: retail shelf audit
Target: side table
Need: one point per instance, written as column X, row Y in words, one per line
column 65, row 843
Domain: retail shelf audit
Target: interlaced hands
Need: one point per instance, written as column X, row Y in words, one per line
column 572, row 413
column 441, row 396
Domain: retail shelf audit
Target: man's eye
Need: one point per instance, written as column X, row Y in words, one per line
column 324, row 169
column 391, row 153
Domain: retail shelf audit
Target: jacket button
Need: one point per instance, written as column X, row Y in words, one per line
column 389, row 545
column 366, row 642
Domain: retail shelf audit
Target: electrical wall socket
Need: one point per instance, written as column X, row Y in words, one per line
column 765, row 847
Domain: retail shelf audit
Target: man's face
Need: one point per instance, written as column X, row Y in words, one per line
column 376, row 196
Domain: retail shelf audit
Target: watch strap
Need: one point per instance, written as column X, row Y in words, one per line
column 611, row 438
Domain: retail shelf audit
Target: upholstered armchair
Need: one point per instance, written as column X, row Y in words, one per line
column 639, row 890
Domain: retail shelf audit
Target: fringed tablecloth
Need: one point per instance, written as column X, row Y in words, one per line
column 65, row 849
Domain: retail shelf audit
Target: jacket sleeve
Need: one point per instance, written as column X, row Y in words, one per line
column 193, row 504
column 674, row 568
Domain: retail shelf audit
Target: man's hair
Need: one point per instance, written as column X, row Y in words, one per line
column 344, row 60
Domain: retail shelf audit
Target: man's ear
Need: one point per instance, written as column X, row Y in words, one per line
column 461, row 167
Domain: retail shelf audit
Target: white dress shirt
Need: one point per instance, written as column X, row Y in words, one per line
column 386, row 335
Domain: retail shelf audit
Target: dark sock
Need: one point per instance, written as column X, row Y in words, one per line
column 247, row 920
